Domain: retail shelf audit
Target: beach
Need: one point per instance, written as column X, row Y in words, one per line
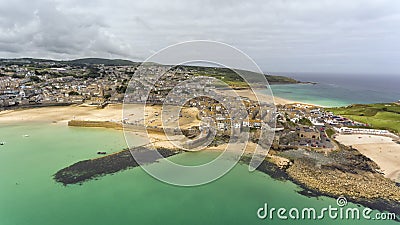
column 265, row 97
column 111, row 113
column 62, row 114
column 334, row 182
column 382, row 150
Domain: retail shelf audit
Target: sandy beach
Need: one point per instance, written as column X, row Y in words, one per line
column 277, row 100
column 250, row 95
column 112, row 113
column 382, row 150
column 62, row 114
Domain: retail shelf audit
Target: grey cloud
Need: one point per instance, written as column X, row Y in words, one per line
column 281, row 35
column 42, row 29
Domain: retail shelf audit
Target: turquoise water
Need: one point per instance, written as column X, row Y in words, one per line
column 329, row 95
column 340, row 89
column 29, row 196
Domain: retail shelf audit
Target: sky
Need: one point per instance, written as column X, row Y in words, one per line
column 335, row 36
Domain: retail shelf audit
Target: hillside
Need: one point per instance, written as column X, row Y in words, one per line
column 380, row 115
column 227, row 75
column 273, row 79
column 233, row 79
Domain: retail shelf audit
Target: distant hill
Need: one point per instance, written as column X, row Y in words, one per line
column 83, row 61
column 107, row 62
column 232, row 78
column 225, row 74
column 273, row 79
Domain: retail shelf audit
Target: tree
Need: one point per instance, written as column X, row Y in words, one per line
column 305, row 121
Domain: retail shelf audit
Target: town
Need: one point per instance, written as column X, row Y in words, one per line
column 25, row 83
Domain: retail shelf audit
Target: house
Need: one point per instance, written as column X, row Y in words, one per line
column 309, row 133
column 221, row 125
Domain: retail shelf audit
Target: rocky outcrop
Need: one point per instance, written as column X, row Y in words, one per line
column 346, row 173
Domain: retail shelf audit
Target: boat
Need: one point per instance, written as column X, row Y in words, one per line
column 26, row 135
column 2, row 143
column 101, row 153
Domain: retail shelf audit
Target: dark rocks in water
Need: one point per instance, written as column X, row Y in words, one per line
column 92, row 168
column 268, row 168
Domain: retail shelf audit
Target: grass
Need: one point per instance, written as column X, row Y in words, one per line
column 330, row 132
column 382, row 115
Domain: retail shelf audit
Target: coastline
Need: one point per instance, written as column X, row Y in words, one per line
column 277, row 100
column 382, row 150
column 278, row 173
column 110, row 113
column 306, row 176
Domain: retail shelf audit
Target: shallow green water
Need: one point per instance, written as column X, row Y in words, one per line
column 28, row 195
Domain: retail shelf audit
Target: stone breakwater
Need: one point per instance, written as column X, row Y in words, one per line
column 103, row 124
column 90, row 169
column 120, row 126
column 345, row 172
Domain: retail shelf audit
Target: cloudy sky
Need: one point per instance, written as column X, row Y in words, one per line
column 339, row 36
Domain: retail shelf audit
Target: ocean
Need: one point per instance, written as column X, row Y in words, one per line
column 339, row 89
column 30, row 196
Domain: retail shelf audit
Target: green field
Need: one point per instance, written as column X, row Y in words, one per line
column 382, row 115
